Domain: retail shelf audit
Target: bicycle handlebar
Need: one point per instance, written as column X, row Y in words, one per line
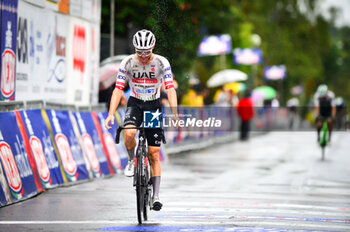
column 119, row 130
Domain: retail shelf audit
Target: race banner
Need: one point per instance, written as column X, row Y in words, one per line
column 5, row 194
column 116, row 152
column 31, row 68
column 29, row 151
column 95, row 58
column 78, row 55
column 8, row 27
column 61, row 6
column 105, row 148
column 55, row 82
column 276, row 72
column 109, row 136
column 92, row 144
column 215, row 45
column 42, row 148
column 247, row 56
column 70, row 153
column 14, row 159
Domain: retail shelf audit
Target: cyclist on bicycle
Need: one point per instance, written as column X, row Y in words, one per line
column 145, row 72
column 325, row 108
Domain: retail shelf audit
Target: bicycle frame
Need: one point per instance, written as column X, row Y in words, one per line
column 324, row 138
column 142, row 176
column 324, row 134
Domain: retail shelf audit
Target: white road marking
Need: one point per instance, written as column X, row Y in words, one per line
column 253, row 224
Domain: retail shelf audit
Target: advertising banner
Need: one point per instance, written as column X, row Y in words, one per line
column 42, row 148
column 78, row 55
column 61, row 6
column 119, row 153
column 31, row 52
column 55, row 81
column 14, row 159
column 215, row 45
column 105, row 148
column 8, row 21
column 92, row 144
column 95, row 58
column 70, row 153
column 276, row 72
column 247, row 56
column 5, row 195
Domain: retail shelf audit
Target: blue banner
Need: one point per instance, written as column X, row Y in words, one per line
column 247, row 56
column 109, row 136
column 8, row 32
column 70, row 152
column 14, row 159
column 92, row 143
column 215, row 45
column 276, row 72
column 43, row 150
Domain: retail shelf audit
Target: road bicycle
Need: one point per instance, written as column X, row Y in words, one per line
column 142, row 178
column 324, row 138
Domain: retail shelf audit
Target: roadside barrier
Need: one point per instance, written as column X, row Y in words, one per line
column 45, row 145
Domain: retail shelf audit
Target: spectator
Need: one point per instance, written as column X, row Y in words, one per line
column 246, row 113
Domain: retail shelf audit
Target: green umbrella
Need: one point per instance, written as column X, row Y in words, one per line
column 268, row 92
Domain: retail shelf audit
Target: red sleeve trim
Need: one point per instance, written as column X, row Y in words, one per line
column 169, row 86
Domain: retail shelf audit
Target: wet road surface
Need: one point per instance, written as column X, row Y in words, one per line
column 274, row 182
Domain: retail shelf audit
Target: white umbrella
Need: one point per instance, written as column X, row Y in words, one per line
column 108, row 71
column 226, row 76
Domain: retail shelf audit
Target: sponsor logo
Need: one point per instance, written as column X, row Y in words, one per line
column 8, row 65
column 8, row 68
column 139, row 75
column 65, row 152
column 40, row 160
column 79, row 48
column 10, row 168
column 193, row 122
column 112, row 150
column 145, row 81
column 91, row 153
column 168, row 76
column 144, row 91
column 121, row 77
column 151, row 119
column 167, row 69
column 122, row 71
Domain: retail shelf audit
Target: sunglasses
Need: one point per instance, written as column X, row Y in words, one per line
column 143, row 52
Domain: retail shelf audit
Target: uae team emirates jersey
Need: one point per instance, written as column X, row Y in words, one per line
column 145, row 81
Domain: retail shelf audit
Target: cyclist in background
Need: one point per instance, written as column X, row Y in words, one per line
column 324, row 108
column 144, row 71
column 340, row 115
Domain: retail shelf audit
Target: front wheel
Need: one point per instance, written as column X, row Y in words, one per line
column 139, row 199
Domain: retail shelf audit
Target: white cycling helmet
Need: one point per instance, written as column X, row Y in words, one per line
column 322, row 90
column 339, row 101
column 144, row 39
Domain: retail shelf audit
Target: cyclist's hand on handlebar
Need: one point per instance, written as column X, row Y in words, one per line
column 109, row 119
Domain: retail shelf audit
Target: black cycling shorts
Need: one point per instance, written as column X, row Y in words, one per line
column 134, row 116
